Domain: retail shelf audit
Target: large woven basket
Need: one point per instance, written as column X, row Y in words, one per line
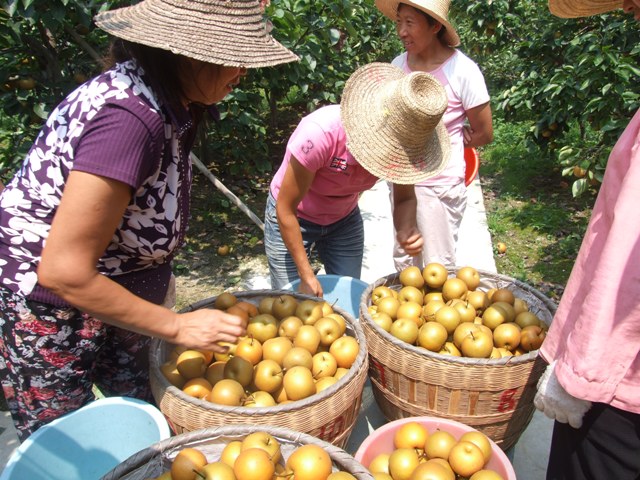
column 156, row 459
column 329, row 415
column 493, row 396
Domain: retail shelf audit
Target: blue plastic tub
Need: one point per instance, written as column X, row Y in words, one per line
column 346, row 292
column 87, row 443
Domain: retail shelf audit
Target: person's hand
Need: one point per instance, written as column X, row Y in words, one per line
column 205, row 328
column 467, row 134
column 410, row 241
column 311, row 286
column 556, row 403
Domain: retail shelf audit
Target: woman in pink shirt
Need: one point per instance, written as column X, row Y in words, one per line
column 592, row 385
column 388, row 125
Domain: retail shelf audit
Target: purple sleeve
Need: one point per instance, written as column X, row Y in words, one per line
column 121, row 144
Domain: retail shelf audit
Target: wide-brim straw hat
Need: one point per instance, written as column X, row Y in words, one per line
column 393, row 122
column 223, row 32
column 437, row 9
column 582, row 8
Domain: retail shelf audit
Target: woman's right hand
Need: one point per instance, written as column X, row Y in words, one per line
column 205, row 328
column 311, row 286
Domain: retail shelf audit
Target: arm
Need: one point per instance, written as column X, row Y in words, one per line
column 295, row 185
column 89, row 212
column 480, row 129
column 404, row 219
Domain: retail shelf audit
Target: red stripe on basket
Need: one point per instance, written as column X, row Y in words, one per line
column 380, row 369
column 336, row 428
column 507, row 400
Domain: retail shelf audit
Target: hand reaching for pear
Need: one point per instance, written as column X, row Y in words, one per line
column 311, row 286
column 205, row 328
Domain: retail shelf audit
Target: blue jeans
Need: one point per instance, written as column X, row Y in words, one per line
column 340, row 246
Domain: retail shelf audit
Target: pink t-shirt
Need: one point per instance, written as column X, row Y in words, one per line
column 465, row 86
column 319, row 143
column 595, row 335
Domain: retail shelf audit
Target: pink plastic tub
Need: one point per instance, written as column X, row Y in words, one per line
column 381, row 441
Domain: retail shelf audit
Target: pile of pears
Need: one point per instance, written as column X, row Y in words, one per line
column 450, row 315
column 293, row 349
column 257, row 456
column 420, row 454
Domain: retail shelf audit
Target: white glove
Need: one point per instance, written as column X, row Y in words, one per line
column 554, row 401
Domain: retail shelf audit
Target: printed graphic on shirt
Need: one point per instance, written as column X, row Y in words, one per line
column 307, row 147
column 339, row 163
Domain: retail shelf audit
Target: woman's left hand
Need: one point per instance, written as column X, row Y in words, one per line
column 411, row 241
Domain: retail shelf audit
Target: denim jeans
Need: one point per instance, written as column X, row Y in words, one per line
column 340, row 246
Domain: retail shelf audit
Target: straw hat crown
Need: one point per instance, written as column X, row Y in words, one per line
column 224, row 32
column 582, row 8
column 437, row 9
column 393, row 123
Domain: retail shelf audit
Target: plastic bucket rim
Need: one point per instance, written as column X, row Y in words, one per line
column 164, row 431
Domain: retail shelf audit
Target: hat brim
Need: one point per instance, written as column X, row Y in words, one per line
column 389, row 9
column 581, row 8
column 374, row 143
column 234, row 38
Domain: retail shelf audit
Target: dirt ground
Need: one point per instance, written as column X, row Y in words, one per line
column 201, row 272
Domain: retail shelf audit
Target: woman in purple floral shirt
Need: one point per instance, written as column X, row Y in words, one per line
column 90, row 223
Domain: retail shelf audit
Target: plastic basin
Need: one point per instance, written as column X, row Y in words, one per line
column 87, row 443
column 381, row 441
column 346, row 292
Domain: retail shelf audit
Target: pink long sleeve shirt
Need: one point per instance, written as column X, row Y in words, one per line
column 595, row 335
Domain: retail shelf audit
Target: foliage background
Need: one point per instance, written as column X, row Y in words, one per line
column 562, row 91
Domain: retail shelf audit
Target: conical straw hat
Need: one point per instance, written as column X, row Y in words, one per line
column 224, row 32
column 393, row 122
column 582, row 8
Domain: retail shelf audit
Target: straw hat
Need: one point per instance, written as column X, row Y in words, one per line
column 437, row 9
column 224, row 32
column 582, row 8
column 393, row 122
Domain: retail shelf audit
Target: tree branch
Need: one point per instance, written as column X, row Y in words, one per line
column 83, row 43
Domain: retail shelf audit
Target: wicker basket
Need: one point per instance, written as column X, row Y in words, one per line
column 156, row 459
column 493, row 396
column 329, row 415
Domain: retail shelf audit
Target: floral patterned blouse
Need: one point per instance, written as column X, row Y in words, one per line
column 114, row 126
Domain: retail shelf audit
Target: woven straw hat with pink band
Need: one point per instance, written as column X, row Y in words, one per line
column 582, row 8
column 393, row 122
column 223, row 32
column 436, row 9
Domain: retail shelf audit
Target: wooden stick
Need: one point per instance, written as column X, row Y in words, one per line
column 227, row 193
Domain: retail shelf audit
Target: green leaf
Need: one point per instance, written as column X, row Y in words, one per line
column 579, row 187
column 40, row 109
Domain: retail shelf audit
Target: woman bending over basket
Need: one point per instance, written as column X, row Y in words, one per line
column 387, row 126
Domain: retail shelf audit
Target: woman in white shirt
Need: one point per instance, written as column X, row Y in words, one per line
column 430, row 41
